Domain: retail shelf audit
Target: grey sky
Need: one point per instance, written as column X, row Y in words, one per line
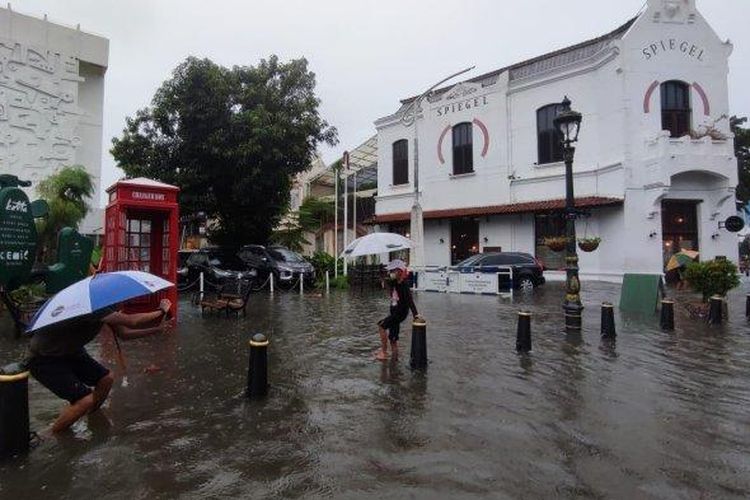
column 367, row 54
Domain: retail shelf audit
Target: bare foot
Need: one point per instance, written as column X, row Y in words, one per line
column 381, row 355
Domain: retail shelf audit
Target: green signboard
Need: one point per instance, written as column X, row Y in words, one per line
column 640, row 293
column 18, row 238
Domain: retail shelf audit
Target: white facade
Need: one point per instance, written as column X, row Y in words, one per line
column 51, row 102
column 624, row 161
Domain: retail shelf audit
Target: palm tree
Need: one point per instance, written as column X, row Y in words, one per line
column 67, row 192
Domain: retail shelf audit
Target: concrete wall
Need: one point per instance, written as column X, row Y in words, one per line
column 51, row 101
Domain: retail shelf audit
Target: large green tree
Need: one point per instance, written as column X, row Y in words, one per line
column 67, row 192
column 231, row 139
column 742, row 152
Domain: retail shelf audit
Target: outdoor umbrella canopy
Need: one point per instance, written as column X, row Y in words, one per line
column 94, row 293
column 377, row 243
column 681, row 258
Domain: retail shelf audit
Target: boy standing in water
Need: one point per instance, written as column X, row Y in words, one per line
column 401, row 303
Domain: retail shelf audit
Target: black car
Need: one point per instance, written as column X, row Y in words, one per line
column 285, row 264
column 528, row 272
column 218, row 265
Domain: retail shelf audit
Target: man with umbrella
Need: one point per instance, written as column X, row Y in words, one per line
column 73, row 318
column 401, row 303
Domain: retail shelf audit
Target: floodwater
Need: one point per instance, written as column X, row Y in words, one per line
column 656, row 415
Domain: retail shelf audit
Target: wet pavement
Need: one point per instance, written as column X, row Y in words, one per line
column 656, row 415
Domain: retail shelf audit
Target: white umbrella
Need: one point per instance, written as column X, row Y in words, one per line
column 376, row 243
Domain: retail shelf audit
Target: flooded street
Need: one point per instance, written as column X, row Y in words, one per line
column 656, row 415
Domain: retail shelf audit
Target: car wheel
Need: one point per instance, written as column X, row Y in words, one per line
column 526, row 284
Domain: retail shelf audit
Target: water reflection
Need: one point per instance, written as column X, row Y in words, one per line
column 652, row 414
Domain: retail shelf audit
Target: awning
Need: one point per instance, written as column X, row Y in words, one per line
column 508, row 209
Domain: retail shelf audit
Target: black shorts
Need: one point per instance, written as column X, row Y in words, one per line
column 69, row 377
column 392, row 323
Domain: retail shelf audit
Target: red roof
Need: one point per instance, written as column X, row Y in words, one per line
column 511, row 208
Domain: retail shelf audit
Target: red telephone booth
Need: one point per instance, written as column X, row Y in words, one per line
column 142, row 234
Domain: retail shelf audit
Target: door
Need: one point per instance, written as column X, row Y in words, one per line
column 679, row 223
column 464, row 239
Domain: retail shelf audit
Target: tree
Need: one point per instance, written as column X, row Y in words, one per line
column 231, row 139
column 66, row 192
column 312, row 214
column 742, row 152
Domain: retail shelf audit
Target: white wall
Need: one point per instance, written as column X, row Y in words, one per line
column 51, row 101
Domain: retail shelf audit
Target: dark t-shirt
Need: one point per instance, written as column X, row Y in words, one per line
column 68, row 337
column 405, row 300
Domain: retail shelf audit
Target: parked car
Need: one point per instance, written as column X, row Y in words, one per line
column 285, row 264
column 528, row 272
column 218, row 265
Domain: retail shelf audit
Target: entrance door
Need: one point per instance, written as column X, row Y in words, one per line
column 679, row 223
column 464, row 239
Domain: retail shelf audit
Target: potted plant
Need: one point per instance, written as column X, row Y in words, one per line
column 589, row 244
column 556, row 243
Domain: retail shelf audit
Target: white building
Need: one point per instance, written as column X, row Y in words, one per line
column 490, row 173
column 51, row 102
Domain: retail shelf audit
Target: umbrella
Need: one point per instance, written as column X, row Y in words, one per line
column 681, row 258
column 377, row 243
column 94, row 293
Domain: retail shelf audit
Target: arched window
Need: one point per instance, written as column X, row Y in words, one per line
column 463, row 149
column 400, row 162
column 549, row 139
column 675, row 108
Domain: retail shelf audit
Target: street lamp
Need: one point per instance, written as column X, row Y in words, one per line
column 568, row 122
column 409, row 118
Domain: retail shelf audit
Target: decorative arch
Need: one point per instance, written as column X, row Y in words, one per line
column 476, row 122
column 695, row 86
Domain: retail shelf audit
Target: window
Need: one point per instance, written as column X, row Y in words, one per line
column 139, row 245
column 675, row 108
column 400, row 162
column 463, row 149
column 549, row 139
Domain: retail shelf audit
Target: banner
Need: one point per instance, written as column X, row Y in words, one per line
column 18, row 238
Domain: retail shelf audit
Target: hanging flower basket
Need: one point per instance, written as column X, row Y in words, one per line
column 556, row 244
column 589, row 244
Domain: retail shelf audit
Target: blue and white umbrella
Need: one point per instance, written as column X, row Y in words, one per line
column 94, row 293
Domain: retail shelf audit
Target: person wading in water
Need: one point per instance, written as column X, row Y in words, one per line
column 401, row 303
column 59, row 360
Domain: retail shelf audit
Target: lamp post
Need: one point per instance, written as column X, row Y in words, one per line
column 409, row 118
column 568, row 122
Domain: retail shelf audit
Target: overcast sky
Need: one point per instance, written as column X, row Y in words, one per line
column 367, row 54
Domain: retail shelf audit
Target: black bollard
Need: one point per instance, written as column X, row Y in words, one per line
column 716, row 310
column 257, row 371
column 418, row 345
column 747, row 306
column 667, row 315
column 523, row 333
column 608, row 321
column 14, row 410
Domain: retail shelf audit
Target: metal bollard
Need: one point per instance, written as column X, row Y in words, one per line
column 301, row 284
column 666, row 321
column 608, row 321
column 418, row 345
column 270, row 276
column 200, row 285
column 328, row 283
column 523, row 333
column 715, row 310
column 14, row 410
column 747, row 306
column 257, row 370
